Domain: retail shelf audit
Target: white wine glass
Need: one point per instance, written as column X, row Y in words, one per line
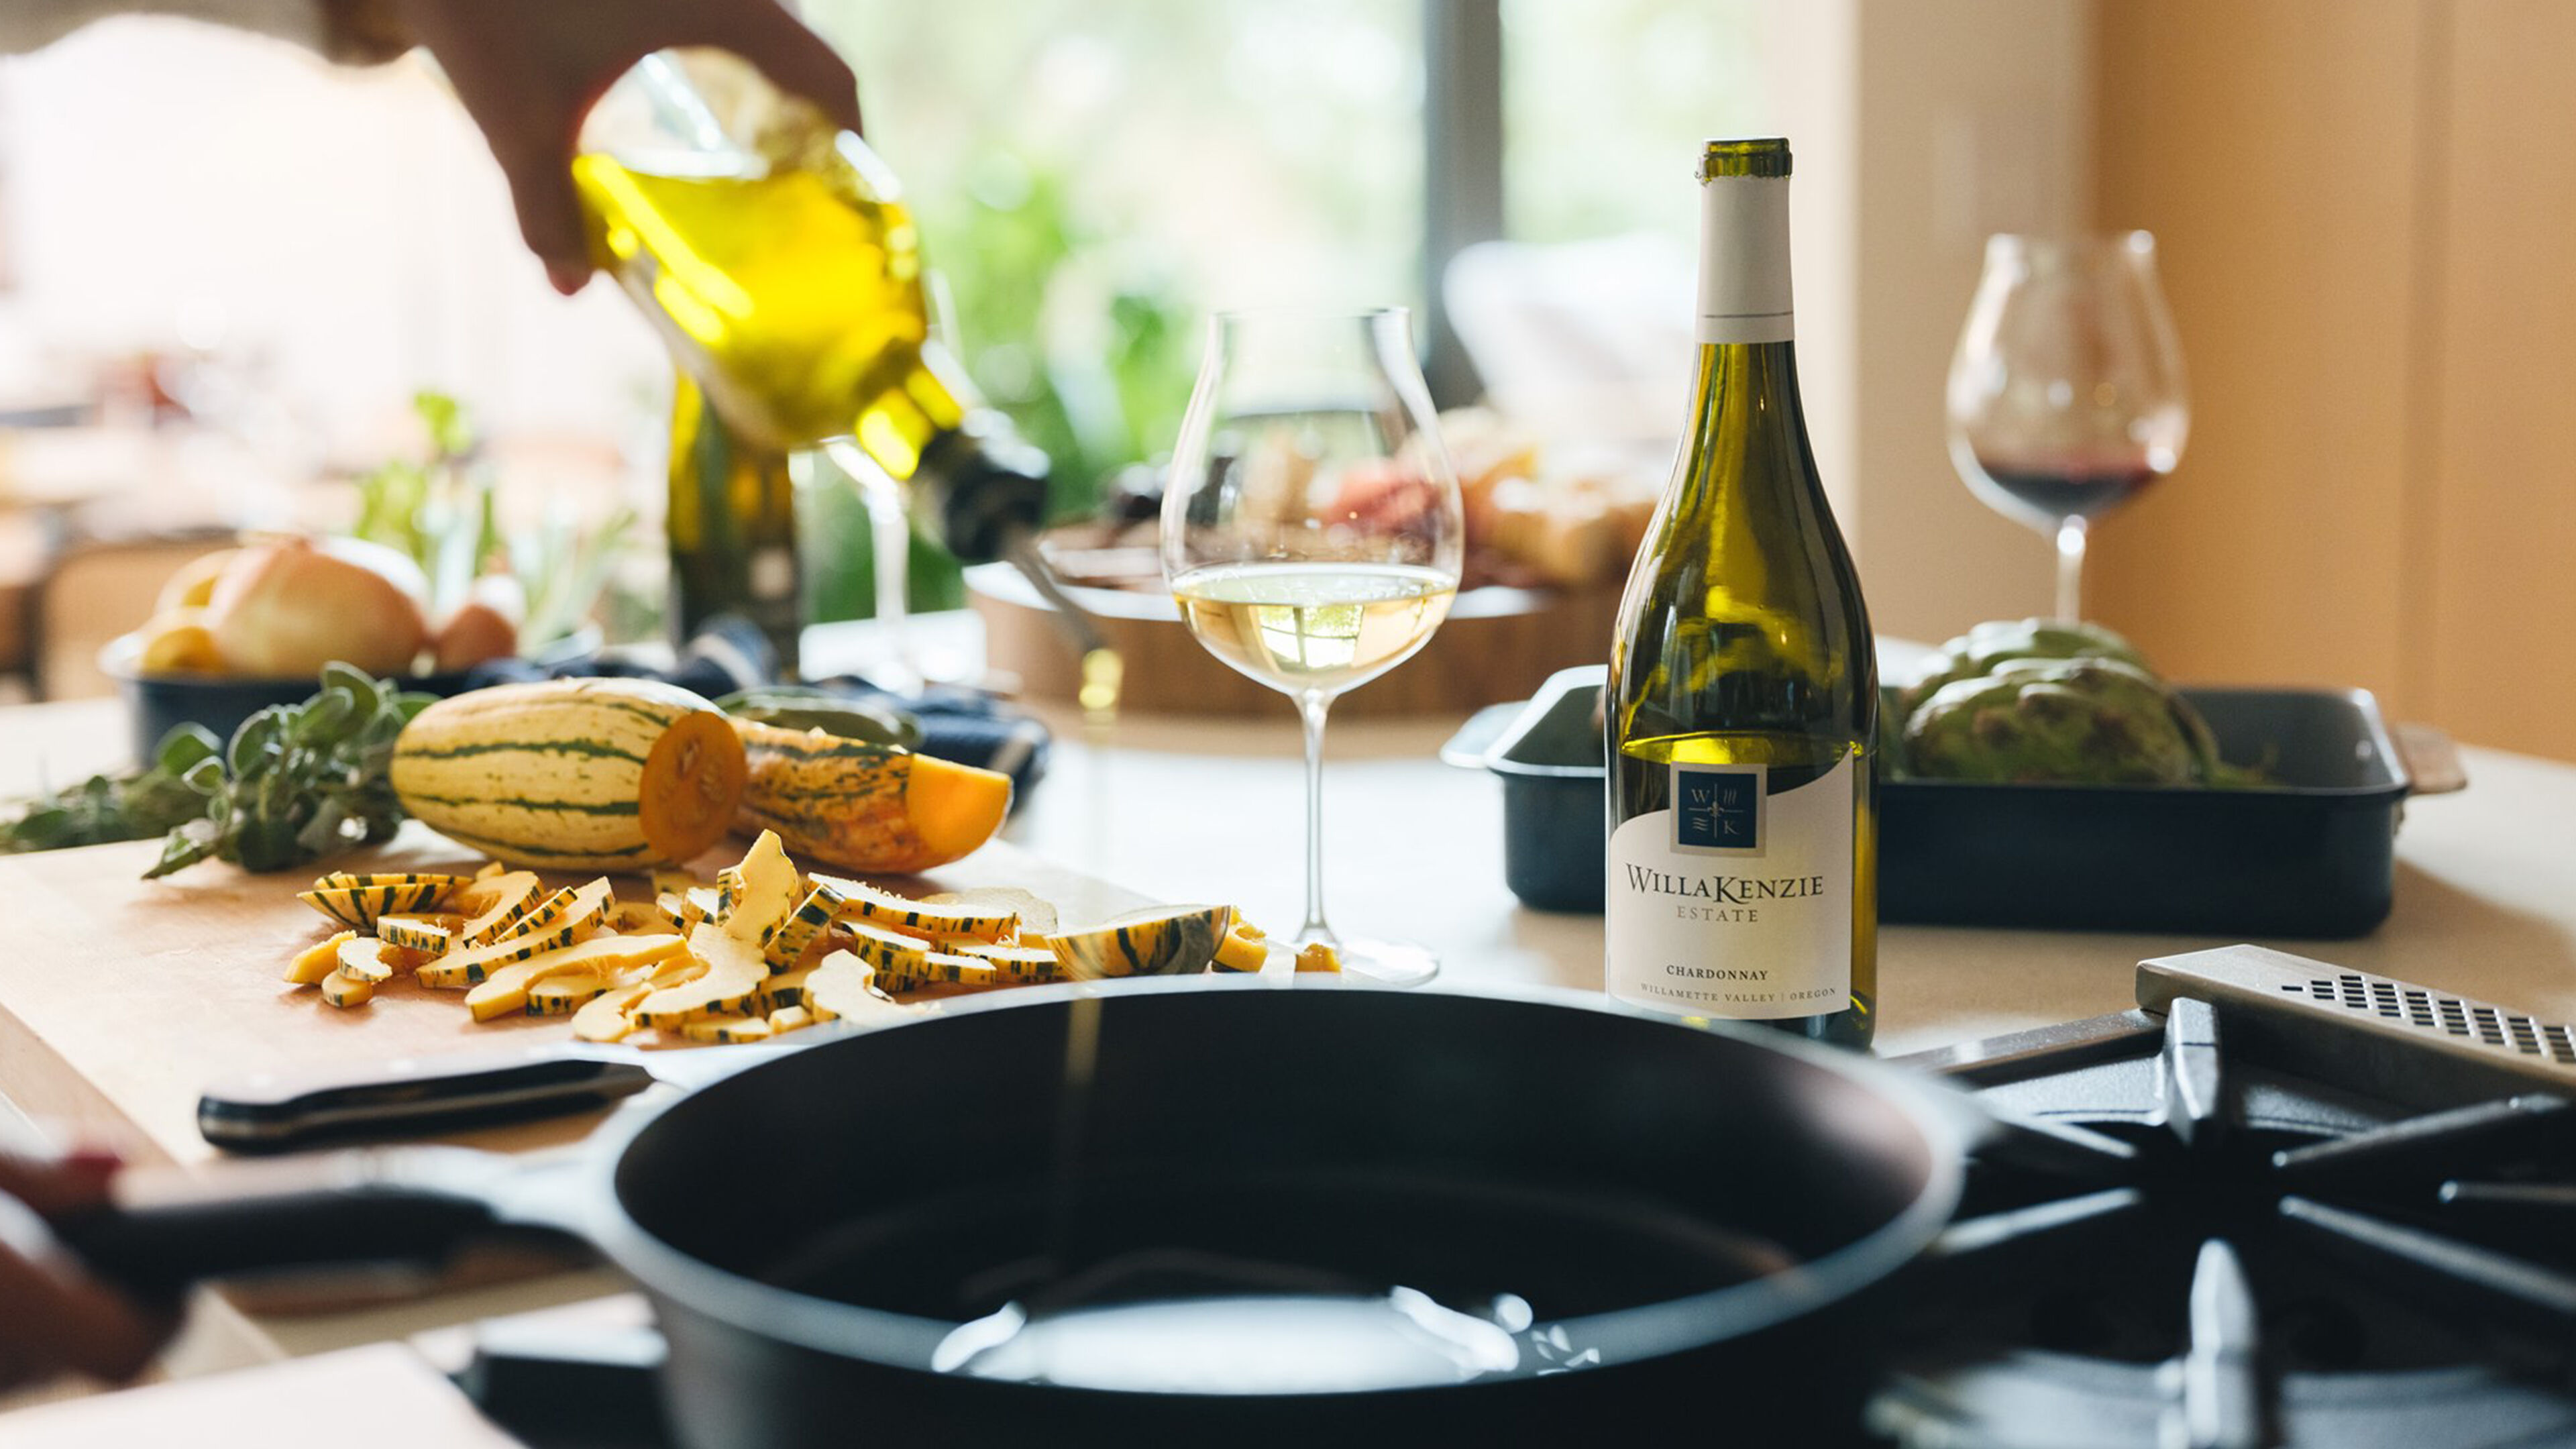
column 1312, row 532
column 2066, row 394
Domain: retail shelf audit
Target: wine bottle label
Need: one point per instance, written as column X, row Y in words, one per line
column 1744, row 260
column 1736, row 902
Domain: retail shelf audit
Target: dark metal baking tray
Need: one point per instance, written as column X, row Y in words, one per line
column 2311, row 854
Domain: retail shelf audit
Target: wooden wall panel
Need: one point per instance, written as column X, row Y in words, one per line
column 2501, row 609
column 2272, row 147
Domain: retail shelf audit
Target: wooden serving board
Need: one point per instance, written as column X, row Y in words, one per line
column 122, row 999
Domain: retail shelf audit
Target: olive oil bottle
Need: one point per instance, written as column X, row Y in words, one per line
column 1741, row 712
column 773, row 253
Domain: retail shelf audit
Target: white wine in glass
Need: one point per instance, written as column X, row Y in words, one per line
column 1312, row 532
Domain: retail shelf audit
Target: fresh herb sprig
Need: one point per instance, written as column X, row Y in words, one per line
column 298, row 781
column 131, row 805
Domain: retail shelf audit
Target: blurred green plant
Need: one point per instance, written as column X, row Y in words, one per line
column 1086, row 347
column 1083, row 340
column 441, row 512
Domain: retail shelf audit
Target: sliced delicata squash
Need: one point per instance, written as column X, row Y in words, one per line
column 318, row 960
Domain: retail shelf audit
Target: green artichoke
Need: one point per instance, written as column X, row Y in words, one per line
column 2089, row 720
column 1977, row 652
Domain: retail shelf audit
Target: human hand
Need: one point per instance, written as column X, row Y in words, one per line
column 54, row 1316
column 528, row 74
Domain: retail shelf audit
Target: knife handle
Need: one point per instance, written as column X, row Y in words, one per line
column 276, row 1111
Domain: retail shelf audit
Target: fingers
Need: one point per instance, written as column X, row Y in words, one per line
column 54, row 1186
column 794, row 58
column 54, row 1316
column 549, row 211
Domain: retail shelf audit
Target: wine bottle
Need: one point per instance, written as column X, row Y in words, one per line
column 1741, row 712
column 774, row 254
column 732, row 528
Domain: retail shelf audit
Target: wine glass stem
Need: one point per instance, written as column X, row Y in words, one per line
column 890, row 538
column 2070, row 569
column 1310, row 708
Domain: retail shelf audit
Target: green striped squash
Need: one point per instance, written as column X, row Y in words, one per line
column 573, row 774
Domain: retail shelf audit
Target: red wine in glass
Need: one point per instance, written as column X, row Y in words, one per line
column 2048, row 489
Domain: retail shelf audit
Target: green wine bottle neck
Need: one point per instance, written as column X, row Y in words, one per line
column 1748, row 431
column 1746, row 398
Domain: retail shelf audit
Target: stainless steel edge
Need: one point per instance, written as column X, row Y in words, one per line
column 2410, row 1042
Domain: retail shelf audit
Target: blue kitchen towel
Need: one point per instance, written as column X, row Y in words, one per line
column 957, row 723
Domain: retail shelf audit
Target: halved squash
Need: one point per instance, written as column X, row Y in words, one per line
column 865, row 806
column 598, row 774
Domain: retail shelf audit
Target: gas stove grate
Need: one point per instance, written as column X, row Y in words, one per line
column 2198, row 1244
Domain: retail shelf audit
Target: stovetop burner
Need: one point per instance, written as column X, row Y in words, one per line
column 2281, row 1204
column 2302, row 1207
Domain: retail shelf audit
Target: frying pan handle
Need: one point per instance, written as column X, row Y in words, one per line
column 168, row 1227
column 274, row 1111
column 2432, row 760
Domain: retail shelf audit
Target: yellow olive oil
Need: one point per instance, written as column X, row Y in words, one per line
column 793, row 297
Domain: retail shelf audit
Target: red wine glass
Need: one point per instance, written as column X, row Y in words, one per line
column 2066, row 395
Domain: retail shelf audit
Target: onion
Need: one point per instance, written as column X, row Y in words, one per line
column 485, row 626
column 285, row 608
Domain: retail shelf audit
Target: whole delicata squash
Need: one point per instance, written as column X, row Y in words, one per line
column 864, row 806
column 574, row 774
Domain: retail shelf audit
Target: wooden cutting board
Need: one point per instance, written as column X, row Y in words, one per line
column 122, row 999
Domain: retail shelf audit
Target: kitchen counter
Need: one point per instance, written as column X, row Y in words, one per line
column 1180, row 808
column 1194, row 809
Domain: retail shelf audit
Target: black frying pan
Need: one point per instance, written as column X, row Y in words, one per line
column 1598, row 1216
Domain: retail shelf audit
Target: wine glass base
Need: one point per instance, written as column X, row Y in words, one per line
column 1388, row 963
